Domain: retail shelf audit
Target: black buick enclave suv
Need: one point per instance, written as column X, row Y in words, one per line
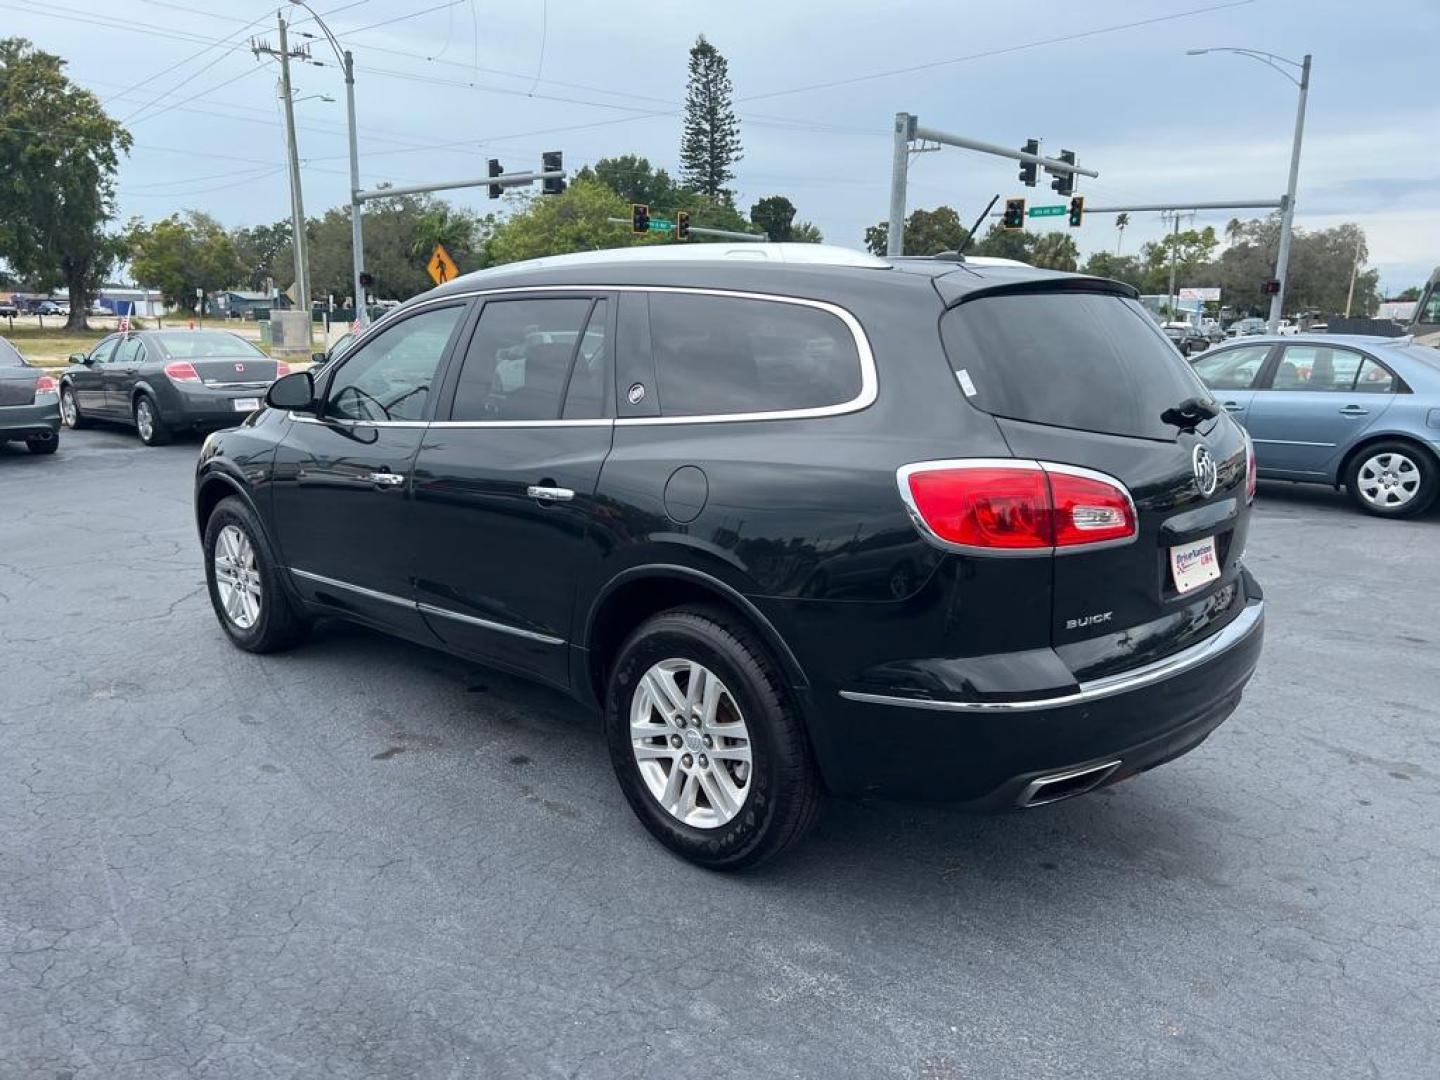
column 796, row 520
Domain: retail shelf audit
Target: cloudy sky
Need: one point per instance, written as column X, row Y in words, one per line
column 442, row 87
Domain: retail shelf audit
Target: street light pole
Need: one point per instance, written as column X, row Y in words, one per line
column 357, row 228
column 1287, row 212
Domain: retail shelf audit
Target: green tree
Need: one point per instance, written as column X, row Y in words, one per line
column 58, row 155
column 711, row 214
column 1056, row 251
column 1319, row 273
column 1002, row 243
column 927, row 232
column 775, row 214
column 456, row 229
column 182, row 253
column 1412, row 293
column 1192, row 250
column 634, row 179
column 557, row 224
column 259, row 248
column 710, row 143
column 807, row 232
column 1124, row 268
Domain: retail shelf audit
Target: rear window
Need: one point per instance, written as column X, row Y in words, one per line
column 198, row 346
column 1090, row 361
column 9, row 357
column 718, row 355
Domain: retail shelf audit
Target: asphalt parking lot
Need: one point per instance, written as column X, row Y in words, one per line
column 364, row 859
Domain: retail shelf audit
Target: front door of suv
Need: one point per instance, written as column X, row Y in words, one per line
column 341, row 499
column 504, row 485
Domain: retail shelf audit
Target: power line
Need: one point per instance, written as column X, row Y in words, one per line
column 996, row 52
column 175, row 105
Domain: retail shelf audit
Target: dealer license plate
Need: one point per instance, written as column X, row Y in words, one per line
column 1194, row 564
column 246, row 404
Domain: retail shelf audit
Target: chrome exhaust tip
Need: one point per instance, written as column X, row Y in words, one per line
column 1065, row 785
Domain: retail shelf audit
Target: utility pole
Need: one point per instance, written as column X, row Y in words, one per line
column 357, row 228
column 1287, row 218
column 1354, row 269
column 297, row 202
column 1174, row 250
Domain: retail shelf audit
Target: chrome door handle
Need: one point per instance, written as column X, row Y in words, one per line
column 549, row 494
column 1354, row 410
column 386, row 479
column 1233, row 406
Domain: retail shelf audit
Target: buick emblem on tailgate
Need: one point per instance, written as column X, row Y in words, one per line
column 1206, row 475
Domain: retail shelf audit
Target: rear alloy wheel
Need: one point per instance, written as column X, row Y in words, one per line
column 43, row 446
column 708, row 749
column 148, row 424
column 245, row 588
column 1392, row 479
column 69, row 410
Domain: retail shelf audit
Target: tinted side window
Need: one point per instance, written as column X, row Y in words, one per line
column 1374, row 379
column 519, row 359
column 716, row 355
column 128, row 352
column 1231, row 369
column 389, row 377
column 1091, row 361
column 1316, row 367
column 586, row 397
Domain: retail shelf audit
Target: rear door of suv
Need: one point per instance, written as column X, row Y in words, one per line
column 1079, row 376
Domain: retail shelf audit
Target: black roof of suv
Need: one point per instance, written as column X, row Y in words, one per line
column 796, row 520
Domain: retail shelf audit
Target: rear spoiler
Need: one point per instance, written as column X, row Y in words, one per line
column 956, row 288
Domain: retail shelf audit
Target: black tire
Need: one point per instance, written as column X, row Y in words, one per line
column 156, row 432
column 78, row 421
column 784, row 796
column 1415, row 457
column 43, row 446
column 279, row 625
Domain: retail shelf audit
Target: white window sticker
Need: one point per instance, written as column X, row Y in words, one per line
column 965, row 383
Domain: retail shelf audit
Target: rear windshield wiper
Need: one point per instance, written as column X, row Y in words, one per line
column 1190, row 413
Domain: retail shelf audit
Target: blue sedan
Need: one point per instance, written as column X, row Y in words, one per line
column 1337, row 409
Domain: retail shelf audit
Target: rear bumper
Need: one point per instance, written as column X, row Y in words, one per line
column 40, row 420
column 990, row 755
column 203, row 407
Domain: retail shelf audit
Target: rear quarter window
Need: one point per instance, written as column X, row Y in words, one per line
column 720, row 355
column 1089, row 361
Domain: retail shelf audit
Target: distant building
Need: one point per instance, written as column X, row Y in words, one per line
column 1401, row 311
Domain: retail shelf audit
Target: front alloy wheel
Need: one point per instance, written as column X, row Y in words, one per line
column 237, row 578
column 690, row 743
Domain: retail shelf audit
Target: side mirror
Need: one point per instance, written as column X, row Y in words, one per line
column 79, row 358
column 293, row 393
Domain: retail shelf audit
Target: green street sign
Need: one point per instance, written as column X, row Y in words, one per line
column 661, row 225
column 1047, row 211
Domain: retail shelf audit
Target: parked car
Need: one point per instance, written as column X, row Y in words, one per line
column 1246, row 327
column 29, row 404
column 9, row 309
column 1187, row 337
column 51, row 307
column 1338, row 409
column 162, row 381
column 796, row 520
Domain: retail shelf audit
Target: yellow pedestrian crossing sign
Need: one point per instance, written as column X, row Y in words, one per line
column 442, row 267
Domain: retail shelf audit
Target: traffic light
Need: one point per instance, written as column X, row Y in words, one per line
column 1271, row 287
column 639, row 218
column 1028, row 169
column 495, row 170
column 1064, row 183
column 552, row 161
column 366, row 279
column 682, row 225
column 1077, row 210
column 1014, row 214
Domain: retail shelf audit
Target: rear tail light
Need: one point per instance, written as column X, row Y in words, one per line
column 1021, row 507
column 45, row 384
column 182, row 371
column 281, row 369
column 1251, row 477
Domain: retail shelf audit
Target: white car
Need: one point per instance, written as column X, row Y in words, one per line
column 1287, row 328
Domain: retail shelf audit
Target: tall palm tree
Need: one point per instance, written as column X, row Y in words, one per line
column 1121, row 220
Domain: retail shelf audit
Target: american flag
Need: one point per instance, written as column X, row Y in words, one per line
column 124, row 324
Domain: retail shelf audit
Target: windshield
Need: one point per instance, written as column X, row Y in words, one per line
column 1090, row 361
column 190, row 345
